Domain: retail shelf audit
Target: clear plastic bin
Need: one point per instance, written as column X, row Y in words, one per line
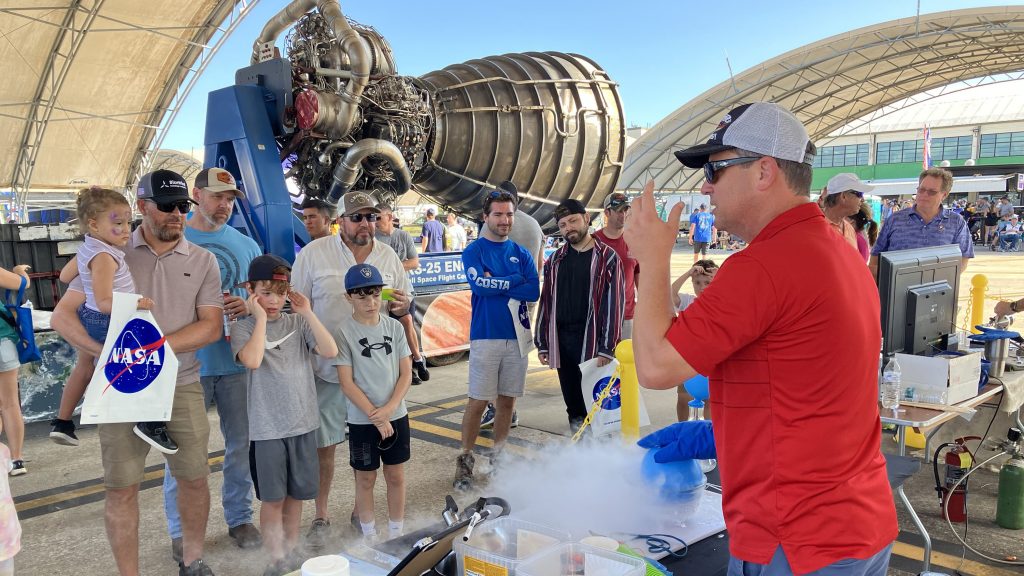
column 574, row 559
column 497, row 547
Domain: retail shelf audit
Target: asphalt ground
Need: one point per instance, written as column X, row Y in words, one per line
column 60, row 500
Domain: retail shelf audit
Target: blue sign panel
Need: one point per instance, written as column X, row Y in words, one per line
column 438, row 270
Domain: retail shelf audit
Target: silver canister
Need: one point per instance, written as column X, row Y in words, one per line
column 996, row 352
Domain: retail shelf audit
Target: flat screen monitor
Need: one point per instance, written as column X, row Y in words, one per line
column 899, row 272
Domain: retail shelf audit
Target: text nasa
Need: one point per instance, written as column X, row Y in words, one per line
column 133, row 356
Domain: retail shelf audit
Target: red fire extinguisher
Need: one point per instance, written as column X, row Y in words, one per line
column 959, row 460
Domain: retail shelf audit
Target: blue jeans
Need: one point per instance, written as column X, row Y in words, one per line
column 1009, row 241
column 876, row 565
column 229, row 394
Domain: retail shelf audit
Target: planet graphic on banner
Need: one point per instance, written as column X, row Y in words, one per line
column 136, row 358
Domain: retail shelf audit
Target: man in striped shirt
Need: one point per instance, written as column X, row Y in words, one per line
column 581, row 306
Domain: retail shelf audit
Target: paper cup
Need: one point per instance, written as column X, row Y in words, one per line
column 325, row 566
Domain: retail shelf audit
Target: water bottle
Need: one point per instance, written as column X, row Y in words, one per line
column 227, row 322
column 891, row 379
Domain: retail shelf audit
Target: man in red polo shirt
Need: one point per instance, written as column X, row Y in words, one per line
column 796, row 429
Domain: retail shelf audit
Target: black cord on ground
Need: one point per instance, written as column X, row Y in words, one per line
column 657, row 544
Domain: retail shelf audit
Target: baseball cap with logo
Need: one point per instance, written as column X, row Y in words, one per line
column 616, row 201
column 760, row 127
column 355, row 201
column 217, row 180
column 846, row 182
column 362, row 276
column 163, row 187
column 569, row 207
column 262, row 268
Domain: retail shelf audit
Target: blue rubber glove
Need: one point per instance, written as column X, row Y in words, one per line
column 988, row 333
column 690, row 440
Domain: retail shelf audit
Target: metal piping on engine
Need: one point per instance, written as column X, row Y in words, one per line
column 351, row 43
column 350, row 166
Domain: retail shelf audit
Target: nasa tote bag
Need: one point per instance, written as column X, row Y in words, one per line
column 135, row 375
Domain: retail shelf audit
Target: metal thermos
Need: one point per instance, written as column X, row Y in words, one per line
column 996, row 352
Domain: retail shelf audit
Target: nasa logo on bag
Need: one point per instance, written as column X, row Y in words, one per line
column 613, row 401
column 524, row 316
column 137, row 357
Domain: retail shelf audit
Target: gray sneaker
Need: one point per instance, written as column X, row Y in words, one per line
column 319, row 530
column 464, row 471
column 196, row 568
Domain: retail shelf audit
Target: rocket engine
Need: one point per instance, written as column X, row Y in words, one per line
column 551, row 123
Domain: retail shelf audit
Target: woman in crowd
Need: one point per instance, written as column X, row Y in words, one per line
column 10, row 404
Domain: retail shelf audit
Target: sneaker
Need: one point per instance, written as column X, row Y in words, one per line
column 18, row 468
column 63, row 432
column 246, row 535
column 416, row 380
column 155, row 434
column 574, row 425
column 277, row 568
column 197, row 568
column 319, row 530
column 176, row 549
column 420, row 367
column 515, row 419
column 464, row 471
column 487, row 420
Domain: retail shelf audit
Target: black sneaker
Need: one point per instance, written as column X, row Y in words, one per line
column 18, row 468
column 63, row 432
column 319, row 531
column 515, row 419
column 155, row 434
column 196, row 568
column 420, row 367
column 416, row 379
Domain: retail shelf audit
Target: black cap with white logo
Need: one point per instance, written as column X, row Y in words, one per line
column 163, row 187
column 761, row 127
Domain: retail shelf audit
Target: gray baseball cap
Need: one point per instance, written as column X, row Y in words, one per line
column 846, row 182
column 761, row 127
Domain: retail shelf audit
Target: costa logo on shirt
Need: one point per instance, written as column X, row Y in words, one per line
column 136, row 359
column 613, row 401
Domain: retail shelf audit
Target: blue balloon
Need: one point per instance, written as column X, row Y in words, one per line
column 672, row 478
column 697, row 387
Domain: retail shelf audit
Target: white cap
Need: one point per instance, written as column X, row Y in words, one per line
column 845, row 182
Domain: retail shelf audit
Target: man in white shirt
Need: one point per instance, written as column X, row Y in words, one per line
column 456, row 234
column 319, row 272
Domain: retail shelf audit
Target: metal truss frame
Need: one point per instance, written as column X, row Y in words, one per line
column 837, row 84
column 79, row 21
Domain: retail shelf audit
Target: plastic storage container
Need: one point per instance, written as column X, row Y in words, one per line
column 574, row 559
column 499, row 546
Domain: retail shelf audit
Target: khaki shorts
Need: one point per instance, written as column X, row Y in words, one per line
column 124, row 453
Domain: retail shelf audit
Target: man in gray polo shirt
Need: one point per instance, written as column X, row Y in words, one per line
column 184, row 282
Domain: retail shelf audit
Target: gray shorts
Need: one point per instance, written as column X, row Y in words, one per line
column 496, row 368
column 333, row 411
column 8, row 356
column 627, row 330
column 285, row 467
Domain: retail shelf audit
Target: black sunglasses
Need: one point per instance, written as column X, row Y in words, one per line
column 855, row 193
column 183, row 206
column 360, row 217
column 364, row 292
column 712, row 168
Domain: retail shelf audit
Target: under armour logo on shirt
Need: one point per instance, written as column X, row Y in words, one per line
column 367, row 347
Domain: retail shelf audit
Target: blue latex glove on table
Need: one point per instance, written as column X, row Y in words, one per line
column 988, row 333
column 690, row 440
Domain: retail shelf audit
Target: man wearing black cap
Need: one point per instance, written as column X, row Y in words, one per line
column 319, row 272
column 616, row 206
column 184, row 282
column 317, row 217
column 804, row 483
column 581, row 306
column 224, row 381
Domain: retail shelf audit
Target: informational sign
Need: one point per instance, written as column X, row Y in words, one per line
column 438, row 269
column 266, row 51
column 1020, row 181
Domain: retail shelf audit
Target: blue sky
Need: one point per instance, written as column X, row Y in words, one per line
column 661, row 52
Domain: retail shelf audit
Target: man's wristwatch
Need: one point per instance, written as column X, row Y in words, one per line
column 1013, row 307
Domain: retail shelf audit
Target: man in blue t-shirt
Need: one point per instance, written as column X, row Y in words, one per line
column 433, row 234
column 503, row 278
column 224, row 382
column 702, row 232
